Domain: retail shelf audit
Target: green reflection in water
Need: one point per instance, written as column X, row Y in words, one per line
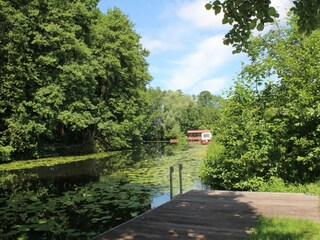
column 83, row 199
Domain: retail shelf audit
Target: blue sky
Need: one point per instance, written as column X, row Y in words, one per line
column 185, row 43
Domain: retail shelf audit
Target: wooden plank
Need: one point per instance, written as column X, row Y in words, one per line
column 201, row 214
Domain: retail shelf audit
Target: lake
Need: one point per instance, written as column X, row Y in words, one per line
column 80, row 200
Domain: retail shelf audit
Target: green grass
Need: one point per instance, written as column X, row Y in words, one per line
column 278, row 185
column 285, row 229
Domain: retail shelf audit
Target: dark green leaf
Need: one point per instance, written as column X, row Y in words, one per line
column 260, row 26
column 208, row 6
column 272, row 11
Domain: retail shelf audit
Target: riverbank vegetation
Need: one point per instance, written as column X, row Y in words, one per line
column 269, row 130
column 70, row 75
column 286, row 229
column 82, row 199
column 75, row 81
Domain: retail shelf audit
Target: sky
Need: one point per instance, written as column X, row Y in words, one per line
column 185, row 43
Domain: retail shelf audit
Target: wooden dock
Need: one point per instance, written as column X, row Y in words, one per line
column 217, row 215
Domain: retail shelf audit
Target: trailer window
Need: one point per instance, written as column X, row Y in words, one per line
column 206, row 135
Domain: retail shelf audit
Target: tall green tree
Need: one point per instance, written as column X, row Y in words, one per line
column 154, row 112
column 272, row 130
column 69, row 75
column 178, row 113
column 47, row 77
column 122, row 76
column 209, row 108
column 170, row 114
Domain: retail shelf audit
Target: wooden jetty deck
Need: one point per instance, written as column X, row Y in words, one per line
column 217, row 215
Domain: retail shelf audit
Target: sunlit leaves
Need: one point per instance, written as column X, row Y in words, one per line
column 308, row 14
column 270, row 129
column 68, row 70
column 246, row 16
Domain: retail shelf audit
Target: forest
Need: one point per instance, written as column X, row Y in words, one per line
column 269, row 128
column 76, row 81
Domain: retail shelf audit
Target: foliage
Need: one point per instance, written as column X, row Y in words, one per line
column 156, row 173
column 172, row 113
column 112, row 190
column 5, row 153
column 209, row 109
column 286, row 229
column 122, row 77
column 80, row 213
column 176, row 106
column 270, row 128
column 73, row 81
column 69, row 75
column 209, row 168
column 246, row 16
column 154, row 108
column 278, row 185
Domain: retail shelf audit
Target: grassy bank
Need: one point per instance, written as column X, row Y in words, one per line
column 285, row 229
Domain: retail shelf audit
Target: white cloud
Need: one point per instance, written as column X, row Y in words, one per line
column 198, row 66
column 196, row 13
column 190, row 54
column 213, row 85
column 189, row 20
column 282, row 7
column 169, row 38
column 151, row 44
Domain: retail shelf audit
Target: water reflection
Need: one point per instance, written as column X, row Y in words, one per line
column 159, row 200
column 82, row 199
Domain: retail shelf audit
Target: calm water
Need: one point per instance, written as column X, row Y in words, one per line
column 82, row 199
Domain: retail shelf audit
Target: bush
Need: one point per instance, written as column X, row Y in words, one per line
column 210, row 170
column 279, row 185
column 5, row 153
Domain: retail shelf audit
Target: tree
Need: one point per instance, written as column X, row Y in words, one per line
column 177, row 115
column 209, row 107
column 272, row 130
column 122, row 76
column 47, row 75
column 154, row 112
column 170, row 114
column 69, row 75
column 247, row 15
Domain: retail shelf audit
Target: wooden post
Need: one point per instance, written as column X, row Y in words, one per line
column 180, row 177
column 171, row 189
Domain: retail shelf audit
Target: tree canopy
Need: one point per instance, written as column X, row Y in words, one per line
column 247, row 15
column 170, row 114
column 69, row 75
column 270, row 129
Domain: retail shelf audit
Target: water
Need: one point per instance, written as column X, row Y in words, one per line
column 83, row 199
